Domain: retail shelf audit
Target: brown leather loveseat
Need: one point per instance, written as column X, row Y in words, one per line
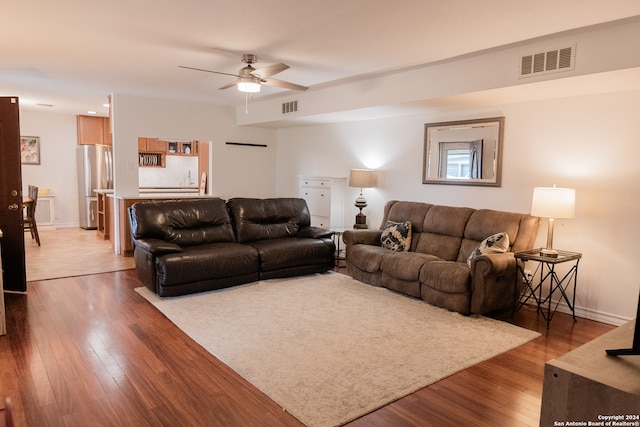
column 188, row 246
column 436, row 264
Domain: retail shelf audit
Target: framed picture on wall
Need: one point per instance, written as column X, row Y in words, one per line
column 30, row 150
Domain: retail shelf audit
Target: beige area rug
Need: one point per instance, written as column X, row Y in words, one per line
column 330, row 349
column 67, row 252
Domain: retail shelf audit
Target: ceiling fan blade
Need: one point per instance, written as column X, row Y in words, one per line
column 228, row 85
column 283, row 84
column 208, row 71
column 269, row 70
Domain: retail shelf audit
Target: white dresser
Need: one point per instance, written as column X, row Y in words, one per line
column 325, row 199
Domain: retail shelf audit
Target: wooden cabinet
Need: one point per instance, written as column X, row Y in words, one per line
column 325, row 199
column 151, row 145
column 105, row 215
column 93, row 130
column 182, row 148
column 151, row 152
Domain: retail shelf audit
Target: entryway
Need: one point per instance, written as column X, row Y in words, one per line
column 69, row 252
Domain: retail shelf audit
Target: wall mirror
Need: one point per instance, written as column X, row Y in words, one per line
column 467, row 152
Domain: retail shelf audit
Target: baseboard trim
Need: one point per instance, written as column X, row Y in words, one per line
column 598, row 316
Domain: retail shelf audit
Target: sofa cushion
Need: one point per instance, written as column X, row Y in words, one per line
column 494, row 244
column 405, row 265
column 446, row 276
column 205, row 262
column 443, row 230
column 183, row 222
column 276, row 254
column 260, row 219
column 396, row 236
column 366, row 257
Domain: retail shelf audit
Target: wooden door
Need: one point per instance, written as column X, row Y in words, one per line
column 13, row 262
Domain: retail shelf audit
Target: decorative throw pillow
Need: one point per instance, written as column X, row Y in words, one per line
column 497, row 243
column 396, row 236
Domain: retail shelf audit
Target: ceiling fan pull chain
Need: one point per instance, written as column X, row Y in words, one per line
column 246, row 102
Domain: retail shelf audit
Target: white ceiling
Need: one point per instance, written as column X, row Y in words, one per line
column 71, row 54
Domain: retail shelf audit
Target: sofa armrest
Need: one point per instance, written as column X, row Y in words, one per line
column 314, row 232
column 157, row 246
column 492, row 264
column 492, row 282
column 362, row 237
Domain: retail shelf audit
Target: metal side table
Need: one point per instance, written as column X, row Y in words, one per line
column 546, row 271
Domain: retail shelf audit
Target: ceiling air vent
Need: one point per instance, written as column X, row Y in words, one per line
column 551, row 61
column 289, row 107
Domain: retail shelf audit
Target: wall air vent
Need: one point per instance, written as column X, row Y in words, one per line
column 289, row 107
column 551, row 61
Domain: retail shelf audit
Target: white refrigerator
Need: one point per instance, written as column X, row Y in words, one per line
column 95, row 172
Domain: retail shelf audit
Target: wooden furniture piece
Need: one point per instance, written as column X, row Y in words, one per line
column 104, row 213
column 29, row 221
column 93, row 130
column 151, row 152
column 182, row 148
column 546, row 272
column 325, row 199
column 151, row 145
column 586, row 385
column 3, row 324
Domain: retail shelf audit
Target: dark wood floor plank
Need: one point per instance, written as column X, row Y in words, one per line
column 90, row 350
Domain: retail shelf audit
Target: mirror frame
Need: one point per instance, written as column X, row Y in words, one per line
column 496, row 181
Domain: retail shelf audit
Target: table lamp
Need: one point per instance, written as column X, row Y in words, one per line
column 552, row 203
column 361, row 178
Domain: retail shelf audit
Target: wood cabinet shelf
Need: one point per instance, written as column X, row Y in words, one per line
column 182, row 148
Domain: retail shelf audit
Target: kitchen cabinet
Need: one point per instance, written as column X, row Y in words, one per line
column 325, row 200
column 93, row 130
column 151, row 145
column 182, row 148
column 105, row 213
column 151, row 152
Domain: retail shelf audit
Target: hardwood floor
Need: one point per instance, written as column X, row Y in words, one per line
column 88, row 350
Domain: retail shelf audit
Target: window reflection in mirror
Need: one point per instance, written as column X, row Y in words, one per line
column 463, row 152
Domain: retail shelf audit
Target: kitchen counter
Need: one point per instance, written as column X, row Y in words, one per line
column 161, row 196
column 170, row 190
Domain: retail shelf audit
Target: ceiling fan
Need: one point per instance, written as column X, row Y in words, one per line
column 249, row 79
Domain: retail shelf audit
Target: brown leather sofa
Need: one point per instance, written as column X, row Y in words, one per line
column 435, row 266
column 188, row 246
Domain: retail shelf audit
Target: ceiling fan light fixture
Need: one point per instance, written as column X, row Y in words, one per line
column 248, row 84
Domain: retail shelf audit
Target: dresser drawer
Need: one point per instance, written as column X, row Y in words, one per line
column 320, row 221
column 318, row 200
column 315, row 183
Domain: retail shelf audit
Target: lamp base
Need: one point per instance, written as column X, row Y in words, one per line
column 549, row 253
column 361, row 221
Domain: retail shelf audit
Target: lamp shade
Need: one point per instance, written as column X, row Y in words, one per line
column 553, row 202
column 362, row 178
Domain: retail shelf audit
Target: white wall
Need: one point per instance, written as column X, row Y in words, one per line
column 590, row 143
column 57, row 168
column 235, row 171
